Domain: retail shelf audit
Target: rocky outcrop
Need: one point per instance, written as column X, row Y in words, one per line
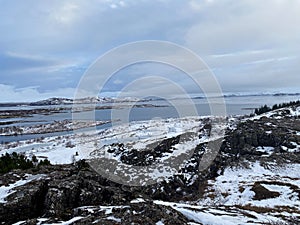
column 263, row 193
column 278, row 133
column 63, row 189
column 133, row 213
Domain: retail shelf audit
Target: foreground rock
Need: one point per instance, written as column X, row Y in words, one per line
column 61, row 190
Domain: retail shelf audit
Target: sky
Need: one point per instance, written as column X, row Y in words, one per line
column 46, row 46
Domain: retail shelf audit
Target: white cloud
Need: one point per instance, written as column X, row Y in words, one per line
column 117, row 81
column 66, row 13
column 230, row 26
column 30, row 94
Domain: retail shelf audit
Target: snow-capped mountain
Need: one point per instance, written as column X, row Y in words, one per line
column 87, row 100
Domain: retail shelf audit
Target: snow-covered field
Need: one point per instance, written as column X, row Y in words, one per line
column 62, row 149
column 135, row 135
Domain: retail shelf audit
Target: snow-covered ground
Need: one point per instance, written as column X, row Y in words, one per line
column 234, row 186
column 229, row 199
column 62, row 149
column 135, row 135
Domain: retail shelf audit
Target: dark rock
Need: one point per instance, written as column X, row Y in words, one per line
column 263, row 193
column 139, row 213
column 27, row 202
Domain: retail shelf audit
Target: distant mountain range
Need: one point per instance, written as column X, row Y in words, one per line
column 69, row 101
column 249, row 95
column 97, row 100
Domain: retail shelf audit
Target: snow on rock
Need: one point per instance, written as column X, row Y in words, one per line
column 295, row 149
column 69, row 222
column 207, row 218
column 138, row 200
column 106, row 209
column 118, row 220
column 5, row 191
column 295, row 112
column 19, row 223
column 265, row 149
column 216, row 215
column 279, row 113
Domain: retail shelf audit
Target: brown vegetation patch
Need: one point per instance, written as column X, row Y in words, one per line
column 256, row 209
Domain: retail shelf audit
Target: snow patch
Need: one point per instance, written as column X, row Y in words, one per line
column 159, row 223
column 69, row 222
column 138, row 200
column 265, row 149
column 118, row 220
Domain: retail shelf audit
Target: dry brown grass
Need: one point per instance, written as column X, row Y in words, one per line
column 256, row 209
column 278, row 209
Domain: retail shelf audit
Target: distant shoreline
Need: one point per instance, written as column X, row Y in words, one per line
column 99, row 100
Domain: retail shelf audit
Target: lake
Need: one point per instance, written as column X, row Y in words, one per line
column 234, row 106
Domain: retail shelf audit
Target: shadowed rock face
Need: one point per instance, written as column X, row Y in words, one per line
column 24, row 203
column 65, row 188
column 263, row 193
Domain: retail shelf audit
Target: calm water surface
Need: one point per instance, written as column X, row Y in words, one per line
column 234, row 106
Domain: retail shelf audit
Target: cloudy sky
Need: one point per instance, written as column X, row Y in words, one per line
column 46, row 46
